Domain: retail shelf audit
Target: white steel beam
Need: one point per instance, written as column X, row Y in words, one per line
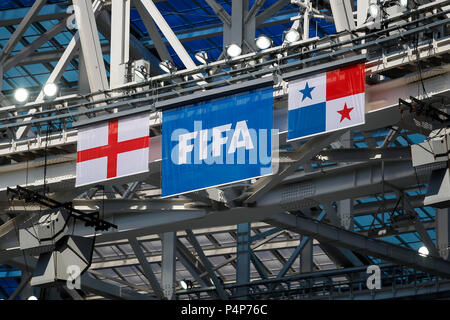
column 342, row 14
column 120, row 42
column 168, row 33
column 137, row 48
column 90, row 45
column 361, row 7
column 158, row 42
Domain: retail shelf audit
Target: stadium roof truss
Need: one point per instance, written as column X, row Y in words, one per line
column 339, row 202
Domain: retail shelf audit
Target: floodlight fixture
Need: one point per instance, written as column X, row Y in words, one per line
column 291, row 35
column 50, row 90
column 233, row 50
column 263, row 42
column 423, row 251
column 202, row 57
column 32, row 298
column 186, row 284
column 167, row 66
column 21, row 95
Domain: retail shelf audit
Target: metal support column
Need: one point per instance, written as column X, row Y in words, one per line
column 237, row 16
column 83, row 81
column 242, row 30
column 243, row 259
column 362, row 7
column 90, row 44
column 120, row 42
column 168, row 264
column 342, row 14
column 306, row 19
column 345, row 207
column 168, row 33
column 442, row 232
column 153, row 32
column 306, row 256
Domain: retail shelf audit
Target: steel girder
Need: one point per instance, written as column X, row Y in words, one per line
column 340, row 237
column 295, row 191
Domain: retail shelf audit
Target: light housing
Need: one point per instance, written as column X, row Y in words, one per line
column 263, row 42
column 50, row 90
column 21, row 95
column 186, row 284
column 202, row 57
column 32, row 298
column 374, row 10
column 140, row 75
column 423, row 251
column 167, row 66
column 291, row 35
column 233, row 50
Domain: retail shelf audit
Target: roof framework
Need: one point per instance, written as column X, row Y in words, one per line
column 315, row 245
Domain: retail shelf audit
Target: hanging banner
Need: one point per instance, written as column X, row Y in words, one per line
column 218, row 141
column 112, row 149
column 325, row 102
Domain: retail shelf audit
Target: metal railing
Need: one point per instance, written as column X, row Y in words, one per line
column 277, row 60
column 331, row 284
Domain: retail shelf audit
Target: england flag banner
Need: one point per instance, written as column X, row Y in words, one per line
column 217, row 141
column 326, row 102
column 113, row 149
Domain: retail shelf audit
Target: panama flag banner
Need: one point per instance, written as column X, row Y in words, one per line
column 112, row 149
column 326, row 102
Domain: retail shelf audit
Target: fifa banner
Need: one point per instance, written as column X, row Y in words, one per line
column 112, row 149
column 326, row 102
column 217, row 141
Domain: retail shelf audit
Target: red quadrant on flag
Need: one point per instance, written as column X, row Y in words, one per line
column 345, row 82
column 112, row 149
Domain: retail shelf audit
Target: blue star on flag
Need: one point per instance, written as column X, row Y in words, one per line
column 307, row 92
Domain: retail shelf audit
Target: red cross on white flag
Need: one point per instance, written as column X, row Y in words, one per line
column 112, row 149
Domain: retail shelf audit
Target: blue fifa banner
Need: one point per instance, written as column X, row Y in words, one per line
column 216, row 142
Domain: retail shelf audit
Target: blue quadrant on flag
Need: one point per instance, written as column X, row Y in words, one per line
column 307, row 120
